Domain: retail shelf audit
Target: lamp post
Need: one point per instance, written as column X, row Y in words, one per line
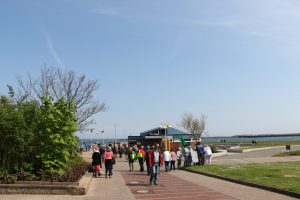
column 102, row 133
column 115, row 134
column 92, row 135
column 165, row 125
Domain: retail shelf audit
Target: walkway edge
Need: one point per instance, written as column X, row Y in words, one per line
column 255, row 185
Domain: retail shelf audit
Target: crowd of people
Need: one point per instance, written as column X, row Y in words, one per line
column 153, row 157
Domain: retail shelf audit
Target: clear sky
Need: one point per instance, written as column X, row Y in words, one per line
column 235, row 61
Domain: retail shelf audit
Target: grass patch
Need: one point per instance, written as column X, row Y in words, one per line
column 279, row 175
column 288, row 153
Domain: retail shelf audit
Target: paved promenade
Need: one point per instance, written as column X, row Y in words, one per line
column 263, row 155
column 173, row 185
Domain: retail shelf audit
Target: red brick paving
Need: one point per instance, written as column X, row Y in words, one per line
column 171, row 187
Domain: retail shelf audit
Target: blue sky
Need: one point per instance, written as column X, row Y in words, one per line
column 237, row 62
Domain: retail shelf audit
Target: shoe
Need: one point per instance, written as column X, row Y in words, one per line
column 155, row 183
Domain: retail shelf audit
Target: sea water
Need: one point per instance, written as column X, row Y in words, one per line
column 249, row 139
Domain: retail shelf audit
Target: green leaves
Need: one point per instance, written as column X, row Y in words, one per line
column 56, row 127
column 37, row 138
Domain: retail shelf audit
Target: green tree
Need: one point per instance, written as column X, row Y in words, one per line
column 12, row 127
column 16, row 133
column 55, row 129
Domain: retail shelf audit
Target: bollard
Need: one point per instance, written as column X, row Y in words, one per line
column 288, row 147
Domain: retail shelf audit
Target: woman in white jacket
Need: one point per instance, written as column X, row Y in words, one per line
column 207, row 155
column 179, row 157
column 166, row 158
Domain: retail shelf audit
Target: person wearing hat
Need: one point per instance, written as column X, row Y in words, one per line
column 96, row 162
column 108, row 156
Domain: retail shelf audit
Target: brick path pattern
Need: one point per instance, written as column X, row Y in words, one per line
column 170, row 187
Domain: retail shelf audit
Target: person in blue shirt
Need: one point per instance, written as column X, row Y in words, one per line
column 200, row 152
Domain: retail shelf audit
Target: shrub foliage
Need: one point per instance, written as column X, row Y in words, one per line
column 37, row 141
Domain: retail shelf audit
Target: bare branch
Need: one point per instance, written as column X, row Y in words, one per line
column 193, row 125
column 59, row 83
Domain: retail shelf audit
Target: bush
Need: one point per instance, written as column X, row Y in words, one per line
column 90, row 168
column 5, row 177
column 78, row 168
column 213, row 149
column 26, row 176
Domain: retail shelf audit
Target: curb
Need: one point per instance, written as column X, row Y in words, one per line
column 255, row 185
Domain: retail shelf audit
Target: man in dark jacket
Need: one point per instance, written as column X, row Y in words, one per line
column 155, row 160
column 200, row 153
column 147, row 160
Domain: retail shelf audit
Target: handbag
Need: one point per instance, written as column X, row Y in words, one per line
column 97, row 168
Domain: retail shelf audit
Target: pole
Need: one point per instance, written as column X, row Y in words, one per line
column 91, row 136
column 115, row 134
column 166, row 138
column 124, row 135
column 103, row 138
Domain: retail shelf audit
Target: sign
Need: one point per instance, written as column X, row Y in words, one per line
column 153, row 137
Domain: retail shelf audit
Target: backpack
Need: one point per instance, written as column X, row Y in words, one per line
column 139, row 155
column 132, row 156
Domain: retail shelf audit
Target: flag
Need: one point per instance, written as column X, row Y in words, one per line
column 183, row 143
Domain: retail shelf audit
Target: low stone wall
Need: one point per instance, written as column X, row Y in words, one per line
column 54, row 188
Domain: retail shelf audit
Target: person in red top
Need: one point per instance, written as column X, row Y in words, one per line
column 141, row 155
column 155, row 160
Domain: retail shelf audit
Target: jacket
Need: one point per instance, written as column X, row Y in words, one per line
column 96, row 158
column 151, row 158
column 200, row 149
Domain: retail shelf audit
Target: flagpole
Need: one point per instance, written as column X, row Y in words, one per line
column 115, row 134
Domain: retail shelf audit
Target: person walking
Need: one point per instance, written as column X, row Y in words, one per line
column 97, row 165
column 166, row 158
column 108, row 157
column 131, row 158
column 155, row 159
column 207, row 155
column 141, row 155
column 147, row 160
column 173, row 159
column 179, row 157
